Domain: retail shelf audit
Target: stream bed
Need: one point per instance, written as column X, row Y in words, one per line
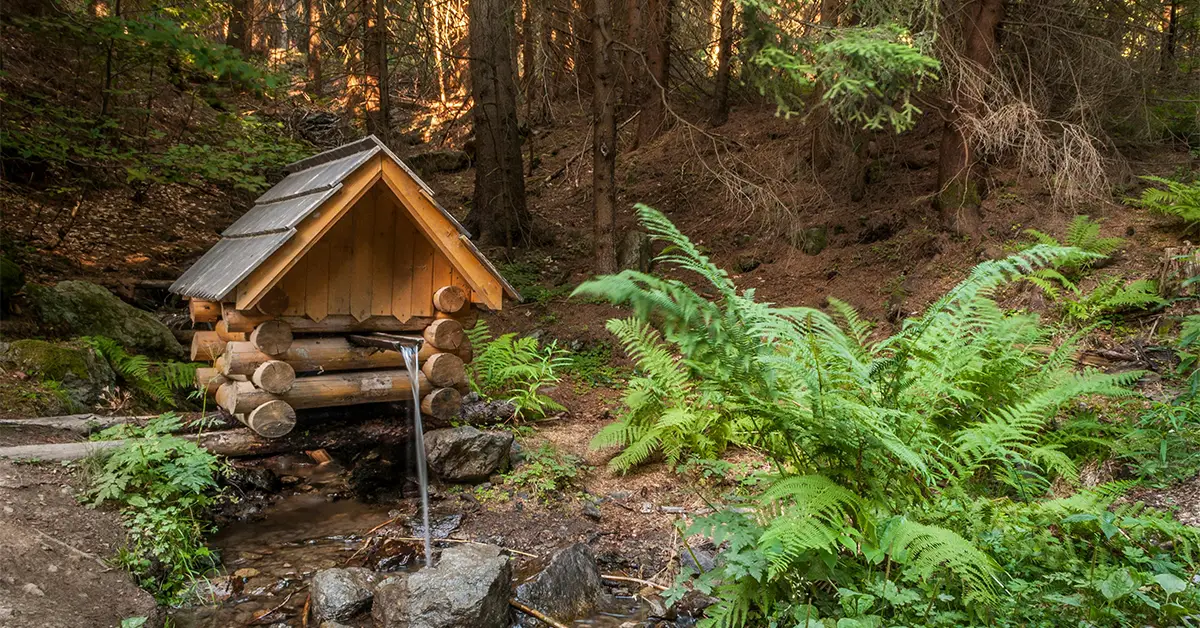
column 268, row 561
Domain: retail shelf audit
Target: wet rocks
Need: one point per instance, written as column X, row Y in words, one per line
column 465, row 454
column 81, row 308
column 567, row 588
column 340, row 594
column 468, row 588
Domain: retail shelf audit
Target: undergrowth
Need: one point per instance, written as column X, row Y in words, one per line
column 909, row 474
column 160, row 382
column 1177, row 198
column 162, row 484
column 516, row 368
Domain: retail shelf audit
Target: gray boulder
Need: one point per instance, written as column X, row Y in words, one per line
column 465, row 454
column 80, row 308
column 82, row 374
column 567, row 588
column 340, row 594
column 469, row 588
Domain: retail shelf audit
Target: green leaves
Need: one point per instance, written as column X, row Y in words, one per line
column 162, row 484
column 517, row 369
column 1178, row 199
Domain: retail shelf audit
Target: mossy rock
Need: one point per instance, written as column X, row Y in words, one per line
column 81, row 373
column 81, row 308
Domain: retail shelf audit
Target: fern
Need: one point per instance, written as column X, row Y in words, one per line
column 1110, row 297
column 1178, row 199
column 160, row 381
column 517, row 369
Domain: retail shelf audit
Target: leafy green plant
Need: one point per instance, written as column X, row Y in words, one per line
column 593, row 367
column 1111, row 296
column 162, row 485
column 160, row 381
column 1178, row 199
column 546, row 470
column 516, row 369
column 872, row 444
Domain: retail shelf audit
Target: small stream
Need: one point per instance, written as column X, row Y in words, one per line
column 267, row 561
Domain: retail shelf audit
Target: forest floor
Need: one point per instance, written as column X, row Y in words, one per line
column 886, row 255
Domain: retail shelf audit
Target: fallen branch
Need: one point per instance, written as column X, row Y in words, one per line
column 239, row 443
column 634, row 580
column 536, row 614
column 87, row 424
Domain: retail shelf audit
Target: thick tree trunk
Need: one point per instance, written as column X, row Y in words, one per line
column 375, row 55
column 581, row 28
column 720, row 112
column 499, row 215
column 958, row 188
column 604, row 141
column 1170, row 34
column 656, row 20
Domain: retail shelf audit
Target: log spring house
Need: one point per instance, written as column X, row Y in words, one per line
column 350, row 243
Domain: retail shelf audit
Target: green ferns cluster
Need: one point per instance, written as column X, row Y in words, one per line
column 868, row 439
column 1174, row 198
column 159, row 381
column 516, row 368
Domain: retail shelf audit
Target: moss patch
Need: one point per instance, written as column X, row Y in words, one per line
column 74, row 369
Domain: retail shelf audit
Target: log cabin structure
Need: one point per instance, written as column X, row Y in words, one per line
column 351, row 243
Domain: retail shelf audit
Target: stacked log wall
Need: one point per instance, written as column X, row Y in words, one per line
column 267, row 364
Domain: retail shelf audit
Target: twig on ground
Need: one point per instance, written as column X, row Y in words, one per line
column 634, row 580
column 287, row 599
column 304, row 612
column 537, row 614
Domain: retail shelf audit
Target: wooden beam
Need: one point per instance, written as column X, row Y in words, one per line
column 442, row 403
column 449, row 299
column 202, row 311
column 272, row 419
column 243, row 321
column 252, row 289
column 206, row 346
column 309, row 355
column 272, row 337
column 323, row 391
column 444, row 235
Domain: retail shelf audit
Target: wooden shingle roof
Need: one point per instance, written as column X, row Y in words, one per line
column 272, row 221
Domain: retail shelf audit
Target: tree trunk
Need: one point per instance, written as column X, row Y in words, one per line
column 498, row 215
column 581, row 30
column 312, row 11
column 375, row 55
column 604, row 141
column 630, row 59
column 657, row 35
column 1170, row 34
column 958, row 188
column 239, row 32
column 724, row 51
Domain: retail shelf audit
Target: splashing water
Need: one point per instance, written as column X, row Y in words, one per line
column 410, row 361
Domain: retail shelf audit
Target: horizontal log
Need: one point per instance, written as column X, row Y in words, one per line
column 273, row 303
column 206, row 346
column 240, row 320
column 445, row 334
column 204, row 311
column 442, row 403
column 272, row 337
column 274, row 376
column 272, row 419
column 323, row 391
column 308, row 355
column 449, row 299
column 222, row 329
column 86, row 424
column 242, row 442
column 209, row 380
column 444, row 369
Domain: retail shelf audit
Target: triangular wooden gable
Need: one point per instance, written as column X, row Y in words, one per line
column 372, row 209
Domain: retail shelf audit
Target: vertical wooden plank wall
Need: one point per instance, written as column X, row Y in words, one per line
column 373, row 262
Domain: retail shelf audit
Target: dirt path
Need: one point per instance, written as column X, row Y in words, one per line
column 51, row 553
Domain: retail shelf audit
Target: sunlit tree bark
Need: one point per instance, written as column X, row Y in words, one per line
column 498, row 215
column 312, row 11
column 656, row 19
column 724, row 51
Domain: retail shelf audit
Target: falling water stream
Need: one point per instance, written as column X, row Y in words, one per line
column 410, row 362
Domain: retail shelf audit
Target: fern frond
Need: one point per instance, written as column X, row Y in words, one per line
column 925, row 549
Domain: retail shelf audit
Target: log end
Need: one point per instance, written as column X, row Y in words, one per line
column 272, row 419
